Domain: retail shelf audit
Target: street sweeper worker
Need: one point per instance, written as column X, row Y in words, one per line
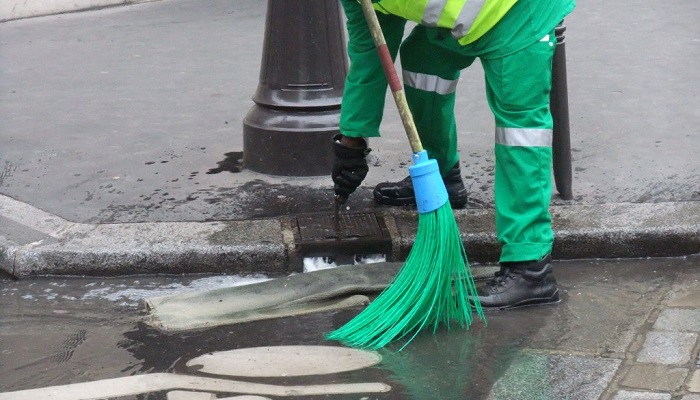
column 515, row 41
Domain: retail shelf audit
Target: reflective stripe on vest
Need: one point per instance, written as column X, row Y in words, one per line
column 466, row 19
column 525, row 137
column 429, row 83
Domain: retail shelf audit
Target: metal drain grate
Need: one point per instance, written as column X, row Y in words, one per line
column 315, row 235
column 322, row 227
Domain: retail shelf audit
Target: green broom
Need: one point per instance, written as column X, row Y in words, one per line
column 435, row 283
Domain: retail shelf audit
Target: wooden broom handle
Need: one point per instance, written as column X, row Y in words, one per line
column 391, row 76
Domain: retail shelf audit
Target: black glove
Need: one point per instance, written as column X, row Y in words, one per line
column 349, row 169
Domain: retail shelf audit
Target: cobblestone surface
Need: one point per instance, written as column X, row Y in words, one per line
column 694, row 385
column 655, row 377
column 666, row 364
column 671, row 348
column 679, row 320
column 631, row 395
column 626, row 337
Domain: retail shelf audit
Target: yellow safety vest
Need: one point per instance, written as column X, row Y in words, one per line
column 468, row 20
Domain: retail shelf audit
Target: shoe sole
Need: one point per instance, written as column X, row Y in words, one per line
column 553, row 299
column 394, row 201
column 457, row 201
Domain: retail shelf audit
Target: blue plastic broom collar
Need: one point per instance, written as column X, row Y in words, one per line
column 428, row 185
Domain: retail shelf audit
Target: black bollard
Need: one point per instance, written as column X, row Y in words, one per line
column 297, row 103
column 559, row 105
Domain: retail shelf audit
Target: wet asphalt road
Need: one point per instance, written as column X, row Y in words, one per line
column 57, row 331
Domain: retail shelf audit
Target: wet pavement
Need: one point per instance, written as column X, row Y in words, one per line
column 622, row 327
column 122, row 140
column 161, row 90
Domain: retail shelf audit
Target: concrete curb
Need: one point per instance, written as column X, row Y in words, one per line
column 151, row 248
column 267, row 245
column 618, row 230
column 7, row 256
column 19, row 9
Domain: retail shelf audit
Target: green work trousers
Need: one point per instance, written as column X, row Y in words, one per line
column 517, row 90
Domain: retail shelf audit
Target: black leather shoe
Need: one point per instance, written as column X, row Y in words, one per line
column 401, row 193
column 520, row 284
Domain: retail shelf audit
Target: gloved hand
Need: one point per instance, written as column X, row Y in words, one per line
column 349, row 169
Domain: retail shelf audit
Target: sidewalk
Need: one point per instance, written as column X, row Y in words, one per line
column 117, row 124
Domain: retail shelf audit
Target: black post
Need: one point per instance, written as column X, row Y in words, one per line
column 559, row 105
column 297, row 103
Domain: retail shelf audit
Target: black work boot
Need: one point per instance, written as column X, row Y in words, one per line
column 520, row 284
column 401, row 193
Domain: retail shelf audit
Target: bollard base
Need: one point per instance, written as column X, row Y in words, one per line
column 289, row 142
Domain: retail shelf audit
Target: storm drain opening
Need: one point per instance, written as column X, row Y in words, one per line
column 360, row 239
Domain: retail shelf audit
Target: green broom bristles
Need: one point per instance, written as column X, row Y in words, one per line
column 431, row 288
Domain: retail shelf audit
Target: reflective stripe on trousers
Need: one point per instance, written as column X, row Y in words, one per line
column 526, row 137
column 429, row 83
